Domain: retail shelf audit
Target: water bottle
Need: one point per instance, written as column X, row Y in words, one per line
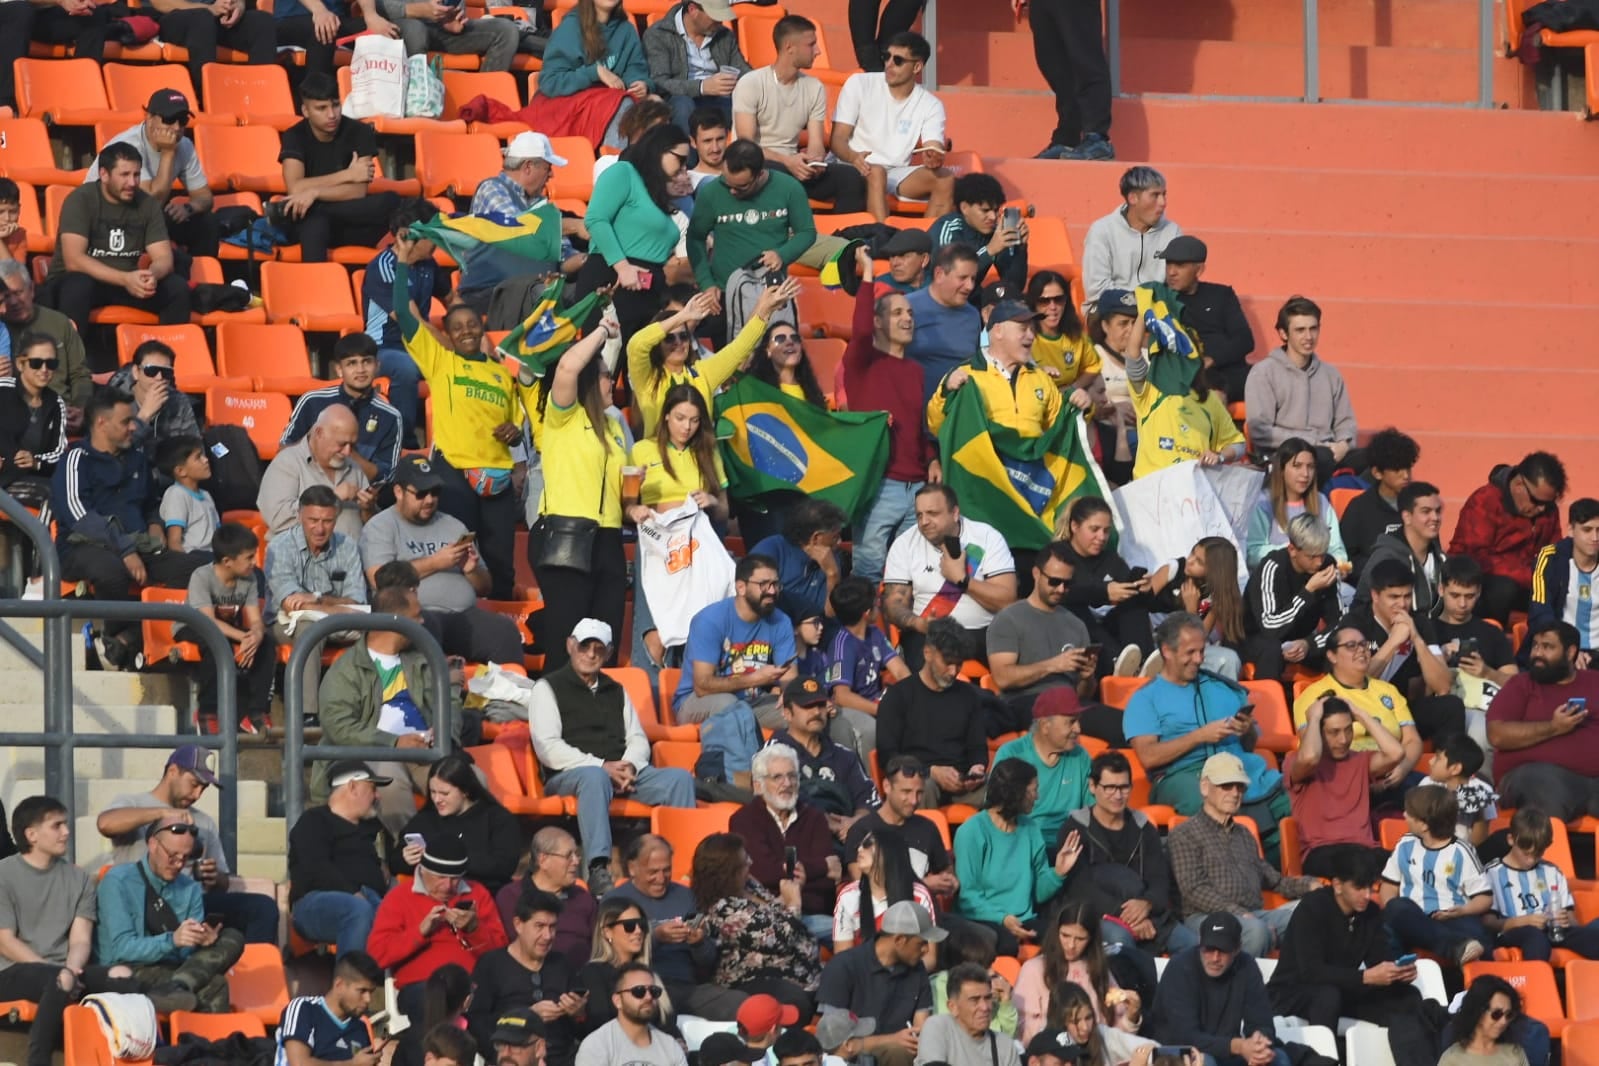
column 1552, row 924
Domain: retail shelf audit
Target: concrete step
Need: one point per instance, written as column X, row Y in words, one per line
column 273, row 867
column 92, row 690
column 31, row 630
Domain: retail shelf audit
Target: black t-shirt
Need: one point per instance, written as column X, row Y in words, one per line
column 856, row 981
column 118, row 233
column 919, row 835
column 500, row 983
column 321, row 158
column 1491, row 640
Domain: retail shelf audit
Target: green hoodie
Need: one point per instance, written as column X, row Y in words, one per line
column 566, row 69
column 778, row 217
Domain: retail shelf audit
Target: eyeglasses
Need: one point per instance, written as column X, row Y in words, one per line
column 41, row 364
column 1114, row 788
column 897, row 61
column 564, row 856
column 681, row 336
column 150, row 370
column 767, row 586
column 1501, row 1013
column 1057, row 582
column 629, row 925
column 593, row 647
column 1231, row 786
column 1353, row 645
column 644, row 991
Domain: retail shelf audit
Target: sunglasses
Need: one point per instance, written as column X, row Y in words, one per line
column 681, row 336
column 1501, row 1013
column 423, row 494
column 151, row 371
column 41, row 364
column 1052, row 299
column 181, row 830
column 1231, row 786
column 629, row 925
column 595, row 647
column 644, row 991
column 1057, row 582
column 785, row 338
column 897, row 61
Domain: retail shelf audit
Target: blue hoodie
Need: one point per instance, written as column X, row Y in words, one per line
column 567, row 70
column 102, row 497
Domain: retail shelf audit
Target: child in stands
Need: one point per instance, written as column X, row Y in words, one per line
column 229, row 591
column 1455, row 762
column 1434, row 891
column 188, row 513
column 1532, row 904
column 13, row 238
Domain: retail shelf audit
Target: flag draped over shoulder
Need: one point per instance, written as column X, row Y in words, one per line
column 1016, row 484
column 1174, row 354
column 459, row 234
column 533, row 347
column 771, row 442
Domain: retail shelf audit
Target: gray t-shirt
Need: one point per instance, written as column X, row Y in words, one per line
column 227, row 602
column 193, row 511
column 389, row 537
column 1033, row 636
column 609, row 1046
column 130, row 847
column 39, row 906
column 185, row 168
column 945, row 1040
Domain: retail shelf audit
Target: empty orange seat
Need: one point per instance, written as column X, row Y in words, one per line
column 247, row 156
column 257, row 985
column 575, row 181
column 273, row 355
column 261, row 414
column 314, row 296
column 1116, row 691
column 26, row 154
column 129, row 88
column 257, row 94
column 684, row 828
column 1272, row 716
column 452, row 164
column 462, row 86
column 66, row 92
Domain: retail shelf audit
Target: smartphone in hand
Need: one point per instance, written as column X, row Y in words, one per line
column 790, row 860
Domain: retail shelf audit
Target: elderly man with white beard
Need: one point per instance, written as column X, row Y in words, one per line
column 786, row 838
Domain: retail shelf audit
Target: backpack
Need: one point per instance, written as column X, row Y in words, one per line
column 235, row 480
column 744, row 289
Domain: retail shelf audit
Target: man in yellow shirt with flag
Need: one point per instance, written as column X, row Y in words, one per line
column 1017, row 394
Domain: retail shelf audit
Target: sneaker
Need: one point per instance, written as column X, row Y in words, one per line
column 171, row 997
column 1467, row 951
column 248, row 726
column 1152, row 665
column 600, row 878
column 1054, row 151
column 1127, row 662
column 1095, row 147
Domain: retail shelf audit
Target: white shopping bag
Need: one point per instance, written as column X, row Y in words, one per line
column 377, row 78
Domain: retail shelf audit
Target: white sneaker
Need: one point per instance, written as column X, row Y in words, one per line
column 1152, row 665
column 1127, row 662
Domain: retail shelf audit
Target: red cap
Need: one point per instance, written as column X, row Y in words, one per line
column 1058, row 702
column 761, row 1014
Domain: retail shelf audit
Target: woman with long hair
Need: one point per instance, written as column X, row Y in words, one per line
column 666, row 352
column 1291, row 488
column 1071, row 1010
column 886, row 878
column 446, row 996
column 1071, row 952
column 575, row 548
column 680, row 463
column 459, row 806
column 990, row 850
column 781, row 362
column 621, row 936
column 593, row 72
column 1112, row 599
column 631, row 230
column 1060, row 343
column 1110, row 327
column 763, row 945
column 1481, row 1026
column 1206, row 583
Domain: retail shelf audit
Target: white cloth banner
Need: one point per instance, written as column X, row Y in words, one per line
column 683, row 566
column 1162, row 515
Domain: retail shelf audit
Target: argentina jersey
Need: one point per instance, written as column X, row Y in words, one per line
column 1579, row 606
column 1435, row 879
column 1518, row 893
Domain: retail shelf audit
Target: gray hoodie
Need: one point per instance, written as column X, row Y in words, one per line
column 1284, row 401
column 1116, row 256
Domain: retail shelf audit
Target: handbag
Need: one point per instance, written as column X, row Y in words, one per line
column 424, row 86
column 567, row 542
column 377, row 78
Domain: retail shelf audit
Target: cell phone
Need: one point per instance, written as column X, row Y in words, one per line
column 414, row 840
column 1405, row 960
column 1094, row 651
column 1579, row 704
column 1171, row 1049
column 1138, row 573
column 775, row 278
column 380, row 1024
column 952, row 547
column 214, row 920
column 1013, row 218
column 790, row 860
column 1468, row 646
column 1246, row 711
column 466, row 538
column 578, row 987
column 646, row 280
column 465, row 903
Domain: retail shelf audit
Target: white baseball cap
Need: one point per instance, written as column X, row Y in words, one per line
column 532, row 146
column 592, row 629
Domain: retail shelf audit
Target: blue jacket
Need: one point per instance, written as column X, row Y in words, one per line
column 119, row 935
column 567, row 70
column 103, row 498
column 1551, row 580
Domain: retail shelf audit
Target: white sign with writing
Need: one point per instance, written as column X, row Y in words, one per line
column 1162, row 515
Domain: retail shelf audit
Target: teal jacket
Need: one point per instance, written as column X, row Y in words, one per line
column 624, row 223
column 119, row 935
column 567, row 70
column 1002, row 873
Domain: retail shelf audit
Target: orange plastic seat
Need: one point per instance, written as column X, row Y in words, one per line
column 195, row 371
column 754, row 30
column 452, row 164
column 1340, row 499
column 498, row 764
column 1116, row 691
column 824, row 312
column 257, row 985
column 246, row 155
column 827, row 355
column 1291, row 847
column 314, row 296
column 575, row 181
column 940, row 823
column 1580, row 1044
column 1390, row 830
column 67, row 92
column 26, row 155
column 637, row 683
column 216, row 1026
column 685, row 827
column 462, row 86
column 84, row 1044
column 159, row 642
column 129, row 88
column 1540, row 998
column 1049, row 243
column 17, row 1011
column 1272, row 716
column 257, row 95
column 406, row 126
column 676, row 754
column 261, row 414
column 274, row 355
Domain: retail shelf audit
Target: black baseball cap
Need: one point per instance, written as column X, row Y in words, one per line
column 417, row 472
column 1222, row 932
column 518, row 1028
column 169, row 104
column 805, row 692
column 719, row 1049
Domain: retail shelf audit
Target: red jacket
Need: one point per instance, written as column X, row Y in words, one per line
column 1502, row 541
column 396, row 941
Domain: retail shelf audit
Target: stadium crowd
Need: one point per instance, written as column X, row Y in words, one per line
column 960, row 797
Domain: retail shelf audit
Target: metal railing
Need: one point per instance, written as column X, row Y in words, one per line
column 58, row 738
column 295, row 752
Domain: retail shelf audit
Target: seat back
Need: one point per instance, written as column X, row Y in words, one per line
column 247, row 156
column 1390, row 830
column 246, row 90
column 667, row 684
column 1116, row 691
column 453, row 164
column 216, row 1027
column 1271, row 708
column 462, row 86
column 1540, row 998
column 941, row 823
column 1582, row 991
column 81, row 1039
column 128, row 86
column 257, row 985
column 676, row 754
column 256, row 350
column 827, row 355
column 686, row 827
column 1340, row 499
column 261, row 414
column 575, row 180
column 192, row 353
column 499, row 766
column 25, row 145
column 1580, row 1043
column 754, row 31
column 305, row 289
column 49, row 86
column 157, row 632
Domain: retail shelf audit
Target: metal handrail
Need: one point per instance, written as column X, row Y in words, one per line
column 61, row 741
column 295, row 752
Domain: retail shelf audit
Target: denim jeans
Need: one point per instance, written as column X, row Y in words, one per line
column 254, row 915
column 1413, row 928
column 594, row 791
column 1180, row 937
column 341, row 918
column 892, row 512
column 404, row 384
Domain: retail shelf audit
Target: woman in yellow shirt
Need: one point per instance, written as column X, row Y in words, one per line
column 680, row 462
column 576, row 546
column 1061, row 346
column 666, row 353
column 782, row 363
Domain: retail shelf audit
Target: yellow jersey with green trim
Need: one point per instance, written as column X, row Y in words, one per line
column 684, row 478
column 1070, row 357
column 1027, row 401
column 1176, row 429
column 1377, row 698
column 582, row 477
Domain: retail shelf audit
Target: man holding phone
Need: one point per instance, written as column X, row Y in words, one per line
column 1547, row 749
column 333, row 1027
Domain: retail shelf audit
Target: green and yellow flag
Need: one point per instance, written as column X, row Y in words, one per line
column 1018, row 485
column 773, row 442
column 522, row 235
column 533, row 347
column 1173, row 350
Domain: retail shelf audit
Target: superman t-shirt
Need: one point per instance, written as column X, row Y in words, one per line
column 718, row 635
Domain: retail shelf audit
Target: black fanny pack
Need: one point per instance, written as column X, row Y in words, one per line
column 567, row 542
column 159, row 916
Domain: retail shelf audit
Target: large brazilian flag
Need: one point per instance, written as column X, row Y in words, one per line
column 521, row 235
column 773, row 442
column 1018, row 485
column 533, row 347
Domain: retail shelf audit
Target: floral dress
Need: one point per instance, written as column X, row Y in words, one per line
column 759, row 938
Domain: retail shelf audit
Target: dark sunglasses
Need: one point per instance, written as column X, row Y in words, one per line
column 629, row 925
column 1232, row 786
column 151, row 371
column 897, row 61
column 1501, row 1013
column 785, row 338
column 598, row 647
column 1051, row 299
column 644, row 991
column 1057, row 582
column 423, row 494
column 41, row 364
column 681, row 336
column 181, row 830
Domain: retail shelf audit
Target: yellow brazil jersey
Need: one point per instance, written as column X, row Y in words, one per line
column 1072, row 358
column 707, row 374
column 1378, row 698
column 1027, row 401
column 1175, row 429
column 470, row 398
column 672, row 487
column 585, row 481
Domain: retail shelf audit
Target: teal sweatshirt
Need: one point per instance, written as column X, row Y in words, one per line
column 567, row 71
column 776, row 218
column 1062, row 788
column 624, row 222
column 1002, row 873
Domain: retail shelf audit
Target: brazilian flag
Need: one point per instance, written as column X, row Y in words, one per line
column 773, row 442
column 1018, row 485
column 522, row 235
column 1174, row 353
column 533, row 347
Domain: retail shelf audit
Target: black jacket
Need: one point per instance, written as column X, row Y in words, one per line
column 1367, row 519
column 1208, row 1012
column 1280, row 605
column 1213, row 311
column 490, row 833
column 1145, row 861
column 1325, row 946
column 329, row 854
column 14, row 417
column 1426, row 601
